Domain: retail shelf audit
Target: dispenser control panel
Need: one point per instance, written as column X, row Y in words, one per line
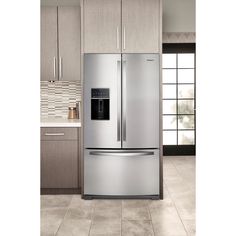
column 100, row 93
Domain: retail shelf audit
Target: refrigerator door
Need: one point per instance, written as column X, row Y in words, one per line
column 102, row 101
column 121, row 172
column 140, row 101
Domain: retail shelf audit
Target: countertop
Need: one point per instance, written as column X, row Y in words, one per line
column 59, row 122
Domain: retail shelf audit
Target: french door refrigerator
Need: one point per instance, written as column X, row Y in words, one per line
column 121, row 126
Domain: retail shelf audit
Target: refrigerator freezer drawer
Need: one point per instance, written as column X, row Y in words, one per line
column 121, row 172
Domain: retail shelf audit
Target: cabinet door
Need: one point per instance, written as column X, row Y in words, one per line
column 102, row 26
column 140, row 23
column 69, row 42
column 49, row 43
column 59, row 164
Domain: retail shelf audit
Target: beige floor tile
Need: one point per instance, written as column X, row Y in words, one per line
column 55, row 201
column 77, row 201
column 169, row 229
column 167, row 212
column 137, row 228
column 51, row 220
column 166, row 202
column 99, row 203
column 106, row 227
column 170, row 170
column 134, row 203
column 138, row 213
column 74, row 227
column 177, row 187
column 172, row 180
column 107, row 213
column 190, row 226
column 187, row 213
column 184, row 200
column 167, row 222
column 186, row 163
column 80, row 213
column 168, row 165
column 176, row 233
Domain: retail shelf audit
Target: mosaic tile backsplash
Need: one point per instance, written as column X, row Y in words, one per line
column 55, row 98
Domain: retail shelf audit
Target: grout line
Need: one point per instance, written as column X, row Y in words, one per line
column 177, row 211
column 92, row 215
column 64, row 216
column 151, row 218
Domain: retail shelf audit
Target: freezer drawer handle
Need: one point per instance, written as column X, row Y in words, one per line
column 125, row 154
column 54, row 134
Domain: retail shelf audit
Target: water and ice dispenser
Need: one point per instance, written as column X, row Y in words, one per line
column 100, row 104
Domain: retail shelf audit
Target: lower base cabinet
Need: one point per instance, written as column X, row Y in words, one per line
column 60, row 159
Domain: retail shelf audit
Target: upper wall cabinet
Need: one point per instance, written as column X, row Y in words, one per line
column 69, row 42
column 102, row 26
column 140, row 23
column 49, row 68
column 60, row 43
column 115, row 26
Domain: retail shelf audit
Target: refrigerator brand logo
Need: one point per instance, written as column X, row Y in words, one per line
column 150, row 59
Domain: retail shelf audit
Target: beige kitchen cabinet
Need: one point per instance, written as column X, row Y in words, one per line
column 60, row 43
column 60, row 158
column 49, row 67
column 69, row 42
column 140, row 26
column 121, row 26
column 102, row 26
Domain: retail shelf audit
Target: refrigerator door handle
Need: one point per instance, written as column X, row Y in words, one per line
column 121, row 154
column 124, row 102
column 118, row 101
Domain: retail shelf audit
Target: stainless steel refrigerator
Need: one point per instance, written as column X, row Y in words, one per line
column 121, row 126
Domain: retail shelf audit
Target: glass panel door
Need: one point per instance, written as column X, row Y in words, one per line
column 178, row 78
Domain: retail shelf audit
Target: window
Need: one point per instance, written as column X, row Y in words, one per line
column 178, row 78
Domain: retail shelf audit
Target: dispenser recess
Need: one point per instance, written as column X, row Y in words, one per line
column 100, row 104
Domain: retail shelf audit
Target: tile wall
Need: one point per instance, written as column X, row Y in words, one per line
column 56, row 97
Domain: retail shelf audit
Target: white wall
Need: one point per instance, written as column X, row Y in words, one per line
column 178, row 15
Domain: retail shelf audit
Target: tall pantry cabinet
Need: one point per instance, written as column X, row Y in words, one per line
column 122, row 26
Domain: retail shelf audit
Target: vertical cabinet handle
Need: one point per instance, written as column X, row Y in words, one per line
column 117, row 38
column 118, row 100
column 60, row 67
column 124, row 38
column 54, row 67
column 124, row 102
